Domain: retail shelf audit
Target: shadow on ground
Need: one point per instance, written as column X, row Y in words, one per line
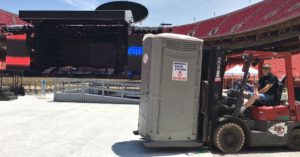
column 256, row 151
column 137, row 149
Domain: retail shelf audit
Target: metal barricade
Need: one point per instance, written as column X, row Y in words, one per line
column 96, row 91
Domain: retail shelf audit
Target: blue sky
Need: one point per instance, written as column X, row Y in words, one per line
column 177, row 12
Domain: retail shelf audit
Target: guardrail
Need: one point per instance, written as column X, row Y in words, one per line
column 96, row 91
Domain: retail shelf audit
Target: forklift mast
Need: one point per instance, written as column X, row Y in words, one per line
column 213, row 70
column 241, row 87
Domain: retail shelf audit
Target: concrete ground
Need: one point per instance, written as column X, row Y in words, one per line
column 32, row 127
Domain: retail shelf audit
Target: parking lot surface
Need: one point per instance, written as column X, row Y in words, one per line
column 34, row 127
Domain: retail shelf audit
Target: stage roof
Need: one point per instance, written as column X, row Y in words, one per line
column 118, row 15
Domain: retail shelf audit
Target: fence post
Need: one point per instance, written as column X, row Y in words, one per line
column 55, row 86
column 69, row 90
column 122, row 91
column 1, row 81
column 55, row 89
column 82, row 90
column 102, row 91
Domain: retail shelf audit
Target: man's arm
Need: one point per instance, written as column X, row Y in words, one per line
column 266, row 88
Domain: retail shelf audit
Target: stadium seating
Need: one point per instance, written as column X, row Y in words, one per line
column 7, row 18
column 265, row 13
column 278, row 66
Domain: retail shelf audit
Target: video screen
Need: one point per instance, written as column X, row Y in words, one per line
column 17, row 56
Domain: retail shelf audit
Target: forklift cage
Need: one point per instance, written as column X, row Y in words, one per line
column 287, row 56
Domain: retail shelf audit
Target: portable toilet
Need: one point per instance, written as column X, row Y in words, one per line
column 170, row 90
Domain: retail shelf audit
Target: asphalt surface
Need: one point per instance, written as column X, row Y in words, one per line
column 33, row 127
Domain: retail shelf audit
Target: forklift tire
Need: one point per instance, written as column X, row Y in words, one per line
column 294, row 140
column 229, row 138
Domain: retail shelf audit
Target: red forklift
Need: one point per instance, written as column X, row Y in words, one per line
column 183, row 103
column 274, row 124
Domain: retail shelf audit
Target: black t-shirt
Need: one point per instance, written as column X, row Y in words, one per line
column 270, row 79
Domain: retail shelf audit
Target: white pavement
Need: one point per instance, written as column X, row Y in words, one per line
column 32, row 127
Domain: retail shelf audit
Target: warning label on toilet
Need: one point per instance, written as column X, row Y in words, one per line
column 180, row 71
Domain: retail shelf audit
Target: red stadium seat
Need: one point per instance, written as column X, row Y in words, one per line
column 7, row 18
column 259, row 15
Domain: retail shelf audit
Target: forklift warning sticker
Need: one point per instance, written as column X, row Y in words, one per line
column 180, row 71
column 279, row 129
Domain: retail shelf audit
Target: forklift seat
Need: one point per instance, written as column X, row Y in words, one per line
column 280, row 88
column 275, row 110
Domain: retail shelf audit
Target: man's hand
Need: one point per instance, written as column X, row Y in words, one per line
column 246, row 94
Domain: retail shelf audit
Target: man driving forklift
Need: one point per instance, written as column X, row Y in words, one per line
column 267, row 87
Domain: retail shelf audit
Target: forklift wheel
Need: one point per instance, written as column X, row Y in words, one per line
column 294, row 140
column 229, row 138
